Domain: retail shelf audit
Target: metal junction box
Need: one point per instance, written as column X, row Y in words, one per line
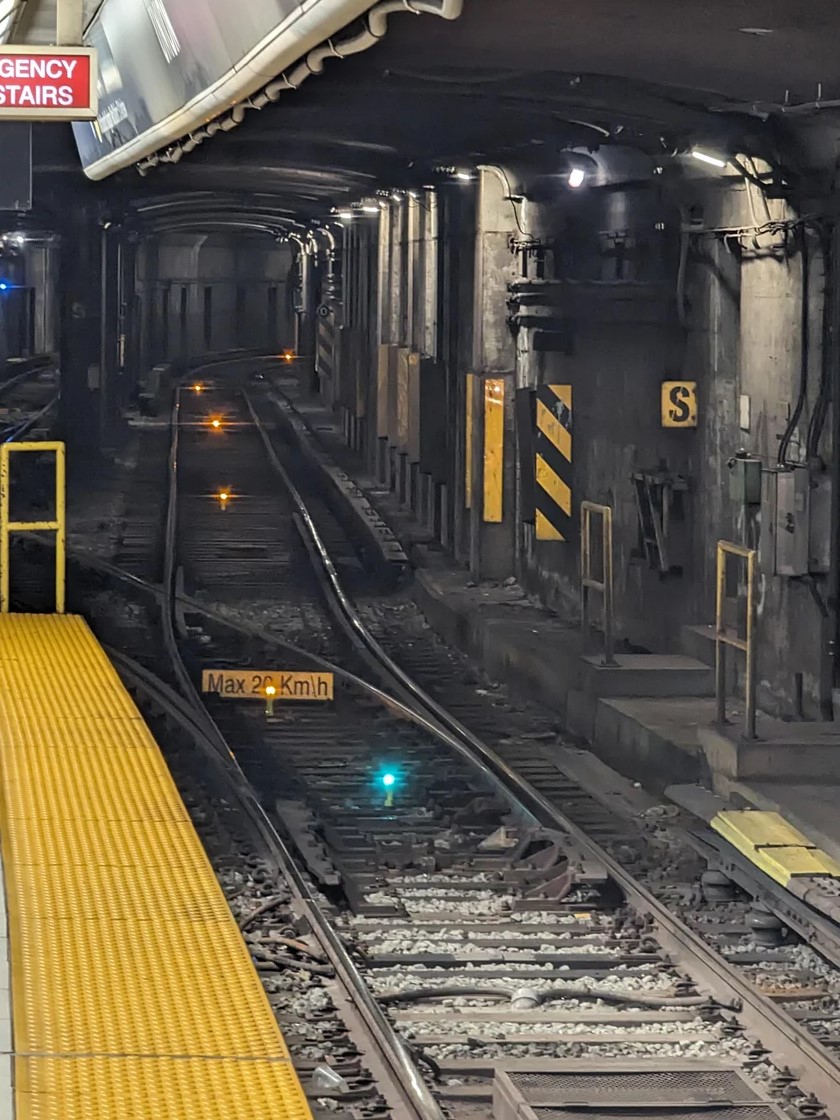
column 820, row 523
column 785, row 522
column 745, row 480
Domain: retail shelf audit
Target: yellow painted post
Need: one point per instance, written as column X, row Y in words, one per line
column 720, row 645
column 468, row 440
column 722, row 639
column 61, row 529
column 494, row 436
column 590, row 582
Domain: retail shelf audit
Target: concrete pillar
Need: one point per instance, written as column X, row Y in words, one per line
column 305, row 320
column 128, row 324
column 414, row 277
column 383, row 273
column 109, row 355
column 397, row 276
column 81, row 284
column 492, row 542
column 429, row 342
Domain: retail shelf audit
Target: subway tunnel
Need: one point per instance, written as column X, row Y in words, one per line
column 537, row 305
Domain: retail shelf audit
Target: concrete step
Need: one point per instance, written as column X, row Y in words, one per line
column 801, row 752
column 698, row 642
column 647, row 674
column 654, row 740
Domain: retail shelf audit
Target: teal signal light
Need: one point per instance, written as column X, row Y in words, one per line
column 388, row 779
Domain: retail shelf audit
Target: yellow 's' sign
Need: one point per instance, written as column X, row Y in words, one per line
column 255, row 684
column 679, row 404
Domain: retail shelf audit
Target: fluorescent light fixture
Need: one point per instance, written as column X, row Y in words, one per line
column 704, row 157
column 370, row 209
column 576, row 177
column 464, row 176
column 413, row 194
column 395, row 196
column 383, row 205
column 345, row 215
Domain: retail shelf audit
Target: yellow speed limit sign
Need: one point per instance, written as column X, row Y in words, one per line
column 255, row 684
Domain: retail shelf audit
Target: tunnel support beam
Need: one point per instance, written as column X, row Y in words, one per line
column 127, row 338
column 492, row 514
column 109, row 340
column 81, row 279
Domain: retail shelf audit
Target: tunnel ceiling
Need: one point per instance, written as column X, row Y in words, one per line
column 521, row 80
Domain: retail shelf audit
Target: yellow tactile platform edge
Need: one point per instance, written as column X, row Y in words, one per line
column 774, row 845
column 133, row 993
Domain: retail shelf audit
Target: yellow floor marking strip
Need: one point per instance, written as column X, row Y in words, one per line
column 760, row 829
column 784, row 864
column 774, row 845
column 133, row 991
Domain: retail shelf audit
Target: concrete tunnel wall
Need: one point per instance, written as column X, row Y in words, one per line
column 620, row 337
column 204, row 292
column 29, row 312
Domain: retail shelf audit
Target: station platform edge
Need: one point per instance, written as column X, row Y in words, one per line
column 132, row 991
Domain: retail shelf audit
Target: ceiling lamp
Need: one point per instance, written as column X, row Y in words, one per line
column 704, row 157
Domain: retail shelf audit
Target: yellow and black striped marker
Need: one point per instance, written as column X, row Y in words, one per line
column 553, row 520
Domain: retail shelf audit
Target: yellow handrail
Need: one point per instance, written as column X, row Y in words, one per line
column 722, row 639
column 58, row 526
column 588, row 582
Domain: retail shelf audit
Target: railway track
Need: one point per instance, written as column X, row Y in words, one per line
column 28, row 399
column 531, row 947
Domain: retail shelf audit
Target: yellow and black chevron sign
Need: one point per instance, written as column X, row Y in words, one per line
column 553, row 520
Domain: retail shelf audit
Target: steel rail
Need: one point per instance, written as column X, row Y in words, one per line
column 26, row 375
column 758, row 1012
column 277, row 854
column 793, row 1044
column 408, row 1080
column 11, row 434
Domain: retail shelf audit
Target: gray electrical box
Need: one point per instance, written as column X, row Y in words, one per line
column 819, row 550
column 745, row 480
column 785, row 522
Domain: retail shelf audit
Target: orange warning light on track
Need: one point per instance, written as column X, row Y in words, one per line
column 198, row 388
column 288, row 355
column 215, row 423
